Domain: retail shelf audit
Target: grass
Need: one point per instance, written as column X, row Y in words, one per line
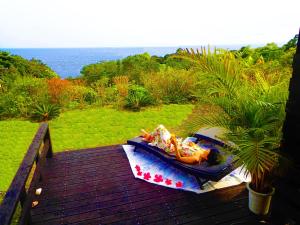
column 82, row 129
column 15, row 137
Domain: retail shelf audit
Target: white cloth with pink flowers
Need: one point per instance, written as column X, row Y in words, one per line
column 152, row 169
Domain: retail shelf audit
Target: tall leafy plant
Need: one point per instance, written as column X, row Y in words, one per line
column 251, row 111
column 255, row 128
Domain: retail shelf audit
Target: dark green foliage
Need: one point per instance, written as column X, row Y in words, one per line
column 135, row 66
column 12, row 66
column 90, row 96
column 291, row 43
column 157, row 59
column 22, row 85
column 270, row 52
column 132, row 66
column 45, row 112
column 137, row 97
column 171, row 60
column 176, row 63
column 20, row 95
column 93, row 72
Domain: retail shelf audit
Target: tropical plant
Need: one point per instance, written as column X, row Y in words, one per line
column 251, row 111
column 255, row 127
column 256, row 130
column 137, row 97
column 45, row 112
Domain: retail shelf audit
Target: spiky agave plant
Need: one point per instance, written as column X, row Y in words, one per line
column 137, row 98
column 45, row 112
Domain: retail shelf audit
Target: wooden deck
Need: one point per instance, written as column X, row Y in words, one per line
column 96, row 186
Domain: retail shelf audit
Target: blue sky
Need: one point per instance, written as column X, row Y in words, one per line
column 131, row 23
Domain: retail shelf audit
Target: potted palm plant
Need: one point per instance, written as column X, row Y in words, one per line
column 256, row 131
column 257, row 152
column 251, row 108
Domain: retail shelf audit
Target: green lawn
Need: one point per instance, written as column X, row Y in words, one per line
column 81, row 129
column 15, row 137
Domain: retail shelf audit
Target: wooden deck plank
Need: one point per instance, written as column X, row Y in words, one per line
column 96, row 186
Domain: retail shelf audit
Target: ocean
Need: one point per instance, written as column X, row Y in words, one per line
column 68, row 62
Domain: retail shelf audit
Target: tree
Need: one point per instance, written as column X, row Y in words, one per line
column 94, row 72
column 12, row 66
column 291, row 43
column 135, row 66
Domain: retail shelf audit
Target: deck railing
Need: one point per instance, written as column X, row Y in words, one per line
column 27, row 175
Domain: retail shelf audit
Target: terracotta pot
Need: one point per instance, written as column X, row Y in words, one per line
column 259, row 203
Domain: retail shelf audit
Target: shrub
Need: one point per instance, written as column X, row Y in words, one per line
column 122, row 85
column 80, row 94
column 58, row 90
column 8, row 106
column 111, row 96
column 45, row 112
column 12, row 66
column 90, row 96
column 137, row 97
column 94, row 72
column 100, row 88
column 170, row 85
column 21, row 95
column 135, row 66
column 63, row 92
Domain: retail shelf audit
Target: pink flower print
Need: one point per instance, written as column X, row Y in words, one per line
column 158, row 178
column 168, row 182
column 179, row 184
column 147, row 176
column 138, row 168
column 139, row 173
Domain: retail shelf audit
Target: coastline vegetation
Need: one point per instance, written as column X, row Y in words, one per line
column 31, row 90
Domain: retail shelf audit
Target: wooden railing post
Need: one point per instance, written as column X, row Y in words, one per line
column 48, row 138
column 17, row 191
column 23, row 196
